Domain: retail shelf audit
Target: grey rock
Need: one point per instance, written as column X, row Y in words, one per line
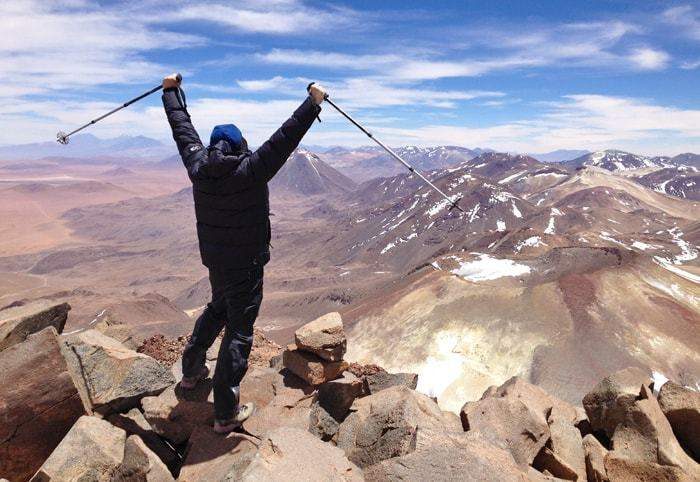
column 140, row 464
column 383, row 380
column 18, row 322
column 324, row 337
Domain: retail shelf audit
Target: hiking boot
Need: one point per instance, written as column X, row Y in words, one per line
column 189, row 383
column 243, row 412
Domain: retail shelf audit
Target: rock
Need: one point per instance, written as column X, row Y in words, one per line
column 332, row 404
column 563, row 455
column 260, row 386
column 134, row 423
column 533, row 397
column 175, row 413
column 210, row 456
column 312, row 369
column 118, row 330
column 508, row 423
column 457, row 456
column 324, row 337
column 92, row 450
column 382, row 380
column 682, row 409
column 290, row 407
column 140, row 464
column 386, row 425
column 264, row 351
column 110, row 376
column 595, row 459
column 645, row 435
column 18, row 322
column 607, row 403
column 39, row 403
column 293, row 454
column 623, row 469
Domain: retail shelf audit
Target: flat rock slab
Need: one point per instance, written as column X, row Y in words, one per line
column 383, row 380
column 211, row 456
column 293, row 454
column 682, row 409
column 175, row 413
column 114, row 377
column 92, row 450
column 311, row 368
column 324, row 337
column 466, row 456
column 18, row 322
column 39, row 403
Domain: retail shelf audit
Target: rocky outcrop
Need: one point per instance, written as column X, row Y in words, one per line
column 607, row 404
column 563, row 455
column 509, row 424
column 332, row 405
column 18, row 322
column 645, row 435
column 39, row 403
column 383, row 380
column 681, row 406
column 293, row 454
column 92, row 450
column 390, row 423
column 111, row 376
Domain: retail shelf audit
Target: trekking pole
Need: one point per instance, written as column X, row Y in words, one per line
column 454, row 204
column 62, row 137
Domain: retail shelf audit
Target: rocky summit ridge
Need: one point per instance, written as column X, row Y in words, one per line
column 84, row 406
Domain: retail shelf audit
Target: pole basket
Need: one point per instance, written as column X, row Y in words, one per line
column 62, row 138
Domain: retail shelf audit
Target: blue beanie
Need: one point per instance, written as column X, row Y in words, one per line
column 228, row 133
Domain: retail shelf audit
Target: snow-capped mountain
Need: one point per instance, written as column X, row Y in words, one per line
column 614, row 160
column 681, row 181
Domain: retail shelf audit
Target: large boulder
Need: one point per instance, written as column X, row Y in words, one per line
column 389, row 424
column 111, row 376
column 332, row 404
column 645, row 435
column 595, row 459
column 507, row 423
column 39, row 403
column 18, row 322
column 311, row 368
column 292, row 454
column 324, row 337
column 533, row 397
column 140, row 464
column 382, row 380
column 453, row 456
column 682, row 409
column 134, row 423
column 563, row 455
column 624, row 469
column 175, row 413
column 211, row 456
column 606, row 405
column 92, row 450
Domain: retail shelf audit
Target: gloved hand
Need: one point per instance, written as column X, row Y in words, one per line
column 172, row 80
column 317, row 93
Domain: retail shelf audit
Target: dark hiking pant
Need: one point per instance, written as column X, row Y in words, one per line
column 236, row 299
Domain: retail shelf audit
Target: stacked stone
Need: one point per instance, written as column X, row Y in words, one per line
column 317, row 354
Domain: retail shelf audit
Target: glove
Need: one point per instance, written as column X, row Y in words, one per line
column 172, row 80
column 317, row 93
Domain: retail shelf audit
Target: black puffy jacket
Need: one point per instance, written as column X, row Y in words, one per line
column 231, row 199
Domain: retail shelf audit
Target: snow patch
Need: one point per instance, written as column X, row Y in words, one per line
column 488, row 268
column 500, row 226
column 550, row 226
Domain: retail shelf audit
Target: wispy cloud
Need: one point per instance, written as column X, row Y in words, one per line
column 686, row 18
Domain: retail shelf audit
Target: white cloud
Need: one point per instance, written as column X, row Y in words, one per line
column 649, row 59
column 685, row 18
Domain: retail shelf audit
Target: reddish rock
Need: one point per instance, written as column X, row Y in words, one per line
column 607, row 403
column 312, row 369
column 645, row 435
column 18, row 322
column 682, row 409
column 39, row 403
column 211, row 456
column 623, row 469
column 383, row 380
column 509, row 424
column 293, row 454
column 324, row 337
column 332, row 404
column 140, row 464
column 175, row 413
column 595, row 459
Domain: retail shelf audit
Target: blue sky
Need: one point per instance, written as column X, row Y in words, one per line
column 516, row 76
